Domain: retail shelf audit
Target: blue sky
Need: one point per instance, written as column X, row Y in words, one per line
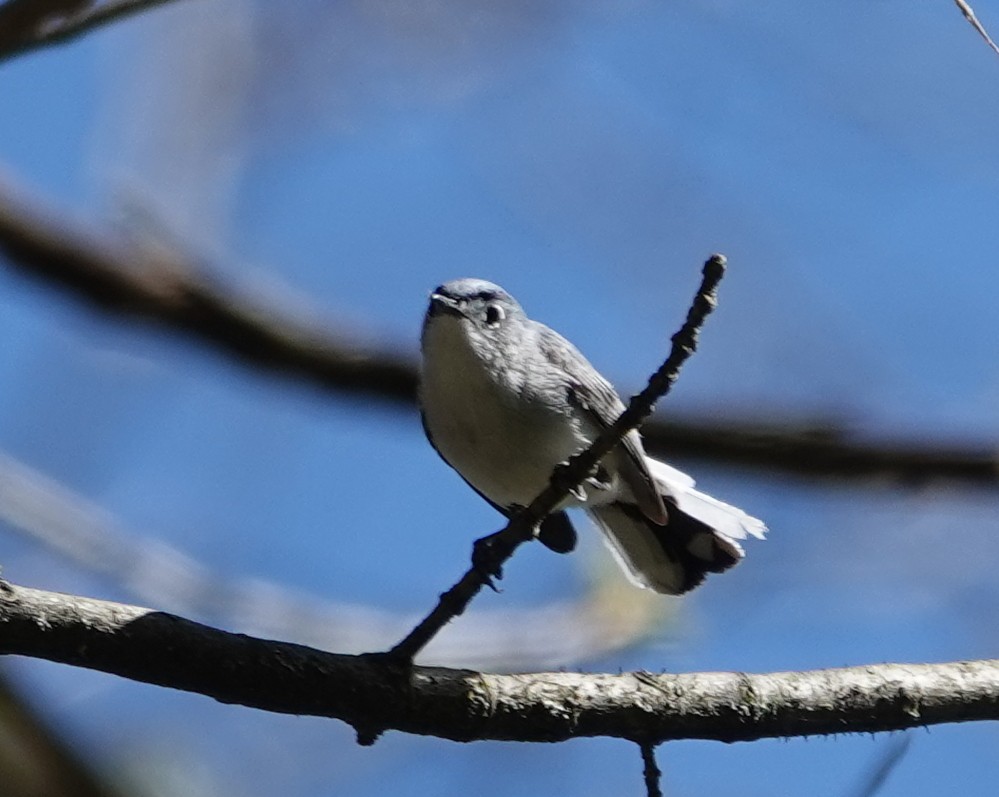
column 340, row 160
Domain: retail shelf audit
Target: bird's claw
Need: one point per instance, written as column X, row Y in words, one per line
column 488, row 555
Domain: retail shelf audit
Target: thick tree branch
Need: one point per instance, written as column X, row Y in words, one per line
column 28, row 25
column 492, row 552
column 126, row 282
column 462, row 705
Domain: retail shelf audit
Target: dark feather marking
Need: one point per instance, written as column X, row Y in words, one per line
column 675, row 539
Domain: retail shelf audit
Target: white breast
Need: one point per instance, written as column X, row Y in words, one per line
column 503, row 438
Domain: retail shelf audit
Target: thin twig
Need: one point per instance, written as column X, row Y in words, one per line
column 650, row 770
column 492, row 552
column 158, row 648
column 969, row 15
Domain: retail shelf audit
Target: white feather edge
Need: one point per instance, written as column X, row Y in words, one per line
column 727, row 520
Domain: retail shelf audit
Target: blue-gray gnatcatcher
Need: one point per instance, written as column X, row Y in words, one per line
column 505, row 399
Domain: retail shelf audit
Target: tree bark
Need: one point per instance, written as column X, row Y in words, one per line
column 373, row 694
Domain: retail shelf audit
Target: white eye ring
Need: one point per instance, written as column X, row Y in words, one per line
column 494, row 314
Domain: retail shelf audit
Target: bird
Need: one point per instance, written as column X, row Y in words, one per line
column 505, row 399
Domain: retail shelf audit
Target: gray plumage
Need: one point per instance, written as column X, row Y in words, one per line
column 504, row 399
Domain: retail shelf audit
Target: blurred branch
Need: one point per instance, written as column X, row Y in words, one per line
column 886, row 764
column 463, row 705
column 27, row 25
column 135, row 284
column 21, row 21
column 969, row 15
column 820, row 449
column 35, row 761
column 607, row 616
column 492, row 552
column 129, row 282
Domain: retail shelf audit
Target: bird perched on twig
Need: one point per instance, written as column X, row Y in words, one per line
column 505, row 399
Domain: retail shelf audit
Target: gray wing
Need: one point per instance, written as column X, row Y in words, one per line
column 589, row 391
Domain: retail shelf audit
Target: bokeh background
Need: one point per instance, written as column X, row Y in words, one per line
column 336, row 161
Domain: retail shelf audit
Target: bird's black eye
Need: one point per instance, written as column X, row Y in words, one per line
column 494, row 314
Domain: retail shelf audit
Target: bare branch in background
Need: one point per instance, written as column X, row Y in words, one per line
column 820, row 449
column 464, row 705
column 969, row 15
column 36, row 761
column 887, row 763
column 28, row 25
column 128, row 282
column 608, row 616
column 22, row 21
column 176, row 295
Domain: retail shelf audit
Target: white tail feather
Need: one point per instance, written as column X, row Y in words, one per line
column 723, row 518
column 700, row 536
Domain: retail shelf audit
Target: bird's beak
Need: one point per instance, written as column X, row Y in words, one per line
column 439, row 303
